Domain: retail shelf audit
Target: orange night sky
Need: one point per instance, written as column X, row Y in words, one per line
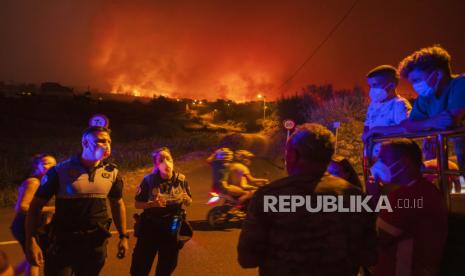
column 217, row 49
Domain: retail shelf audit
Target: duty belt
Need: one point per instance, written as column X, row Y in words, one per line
column 96, row 231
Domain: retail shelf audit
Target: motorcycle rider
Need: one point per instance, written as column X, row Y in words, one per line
column 220, row 161
column 239, row 173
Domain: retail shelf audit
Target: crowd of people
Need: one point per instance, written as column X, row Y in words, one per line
column 404, row 241
column 408, row 240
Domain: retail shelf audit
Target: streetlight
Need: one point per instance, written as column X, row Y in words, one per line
column 260, row 96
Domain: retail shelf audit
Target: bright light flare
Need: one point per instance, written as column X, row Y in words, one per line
column 214, row 198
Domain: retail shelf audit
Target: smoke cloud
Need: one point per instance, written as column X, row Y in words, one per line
column 216, row 49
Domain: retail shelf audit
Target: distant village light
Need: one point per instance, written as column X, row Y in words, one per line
column 260, row 96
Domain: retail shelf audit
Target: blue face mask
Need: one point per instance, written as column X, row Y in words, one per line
column 423, row 88
column 381, row 171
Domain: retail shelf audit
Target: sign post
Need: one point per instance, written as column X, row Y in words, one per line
column 99, row 120
column 289, row 125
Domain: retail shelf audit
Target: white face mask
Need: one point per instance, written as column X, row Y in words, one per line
column 422, row 87
column 97, row 152
column 378, row 95
column 381, row 171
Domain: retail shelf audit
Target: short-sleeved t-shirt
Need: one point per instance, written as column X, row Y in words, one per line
column 453, row 97
column 237, row 173
column 424, row 230
column 80, row 193
column 389, row 113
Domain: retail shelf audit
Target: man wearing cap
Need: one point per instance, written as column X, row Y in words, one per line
column 80, row 227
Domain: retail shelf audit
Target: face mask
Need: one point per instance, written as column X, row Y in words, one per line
column 378, row 95
column 98, row 152
column 381, row 171
column 166, row 167
column 423, row 88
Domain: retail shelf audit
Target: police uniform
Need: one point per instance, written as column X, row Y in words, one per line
column 80, row 226
column 156, row 234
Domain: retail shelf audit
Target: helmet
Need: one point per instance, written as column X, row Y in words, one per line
column 223, row 154
column 240, row 155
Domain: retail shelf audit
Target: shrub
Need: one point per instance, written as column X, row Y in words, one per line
column 323, row 105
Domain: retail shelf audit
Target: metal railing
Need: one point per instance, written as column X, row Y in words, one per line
column 441, row 138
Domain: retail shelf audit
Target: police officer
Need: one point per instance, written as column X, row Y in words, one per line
column 161, row 195
column 80, row 227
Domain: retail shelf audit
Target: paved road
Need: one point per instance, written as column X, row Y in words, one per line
column 210, row 252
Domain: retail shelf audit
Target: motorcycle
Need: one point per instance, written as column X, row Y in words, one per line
column 226, row 210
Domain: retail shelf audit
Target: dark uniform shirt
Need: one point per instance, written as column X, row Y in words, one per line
column 304, row 243
column 171, row 189
column 80, row 194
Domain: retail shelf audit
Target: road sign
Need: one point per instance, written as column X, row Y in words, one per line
column 289, row 124
column 99, row 120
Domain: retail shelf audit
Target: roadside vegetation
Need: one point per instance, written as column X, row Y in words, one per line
column 53, row 125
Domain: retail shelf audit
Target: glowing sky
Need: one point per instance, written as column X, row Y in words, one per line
column 216, row 49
